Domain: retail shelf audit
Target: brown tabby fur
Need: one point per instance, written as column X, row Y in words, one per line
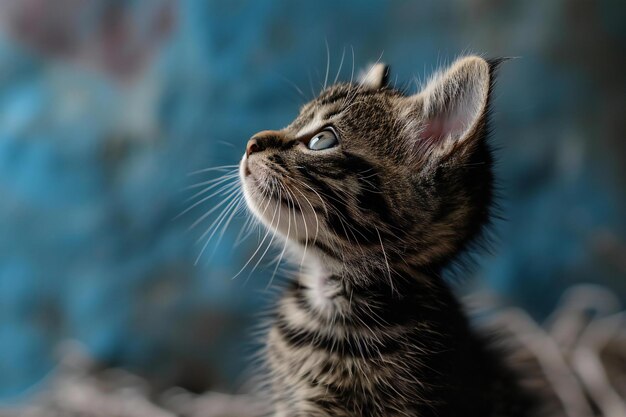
column 370, row 328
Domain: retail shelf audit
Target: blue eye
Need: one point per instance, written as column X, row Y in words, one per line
column 324, row 140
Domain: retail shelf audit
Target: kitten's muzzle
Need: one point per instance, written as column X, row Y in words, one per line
column 264, row 140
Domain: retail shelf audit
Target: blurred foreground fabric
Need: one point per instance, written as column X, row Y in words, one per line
column 106, row 107
column 575, row 361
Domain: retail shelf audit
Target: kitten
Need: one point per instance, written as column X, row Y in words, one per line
column 375, row 192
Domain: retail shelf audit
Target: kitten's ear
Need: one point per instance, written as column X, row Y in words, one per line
column 453, row 104
column 375, row 76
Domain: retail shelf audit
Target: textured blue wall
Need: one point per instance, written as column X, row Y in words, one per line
column 92, row 167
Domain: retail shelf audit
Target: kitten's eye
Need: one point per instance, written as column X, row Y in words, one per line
column 323, row 140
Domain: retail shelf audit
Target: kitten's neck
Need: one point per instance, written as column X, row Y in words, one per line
column 326, row 283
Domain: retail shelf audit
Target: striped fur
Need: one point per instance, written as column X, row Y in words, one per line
column 370, row 328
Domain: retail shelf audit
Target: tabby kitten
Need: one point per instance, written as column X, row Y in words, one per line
column 375, row 192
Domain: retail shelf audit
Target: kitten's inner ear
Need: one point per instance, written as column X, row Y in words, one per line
column 375, row 76
column 454, row 101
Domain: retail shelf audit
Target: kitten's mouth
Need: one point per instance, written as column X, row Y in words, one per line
column 273, row 203
column 255, row 182
column 246, row 168
column 261, row 184
column 257, row 179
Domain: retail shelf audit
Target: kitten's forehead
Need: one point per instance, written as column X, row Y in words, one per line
column 337, row 92
column 315, row 113
column 332, row 101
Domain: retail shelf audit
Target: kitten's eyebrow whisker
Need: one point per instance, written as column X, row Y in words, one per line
column 311, row 85
column 327, row 64
column 353, row 63
column 354, row 103
column 295, row 86
column 343, row 55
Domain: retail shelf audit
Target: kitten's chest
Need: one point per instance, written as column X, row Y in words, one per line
column 355, row 355
column 340, row 364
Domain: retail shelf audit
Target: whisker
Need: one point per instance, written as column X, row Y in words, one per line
column 220, row 184
column 294, row 85
column 225, row 189
column 314, row 191
column 306, row 227
column 221, row 215
column 353, row 63
column 327, row 64
column 223, row 142
column 234, row 211
column 317, row 222
column 251, row 222
column 221, row 168
column 220, row 218
column 311, row 85
column 246, row 229
column 212, row 210
column 385, row 257
column 259, row 247
column 343, row 55
column 222, row 178
column 282, row 253
column 269, row 245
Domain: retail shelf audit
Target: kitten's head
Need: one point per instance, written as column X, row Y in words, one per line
column 369, row 176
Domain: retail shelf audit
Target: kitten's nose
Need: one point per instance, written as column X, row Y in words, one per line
column 252, row 147
column 263, row 140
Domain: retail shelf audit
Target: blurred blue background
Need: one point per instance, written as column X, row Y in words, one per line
column 107, row 106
